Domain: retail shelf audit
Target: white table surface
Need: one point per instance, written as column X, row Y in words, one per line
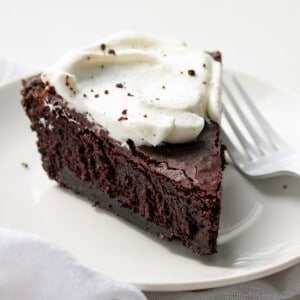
column 261, row 38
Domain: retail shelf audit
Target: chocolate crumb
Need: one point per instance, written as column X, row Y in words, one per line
column 163, row 87
column 119, row 85
column 84, row 95
column 145, row 116
column 124, row 111
column 102, row 46
column 204, row 82
column 181, row 72
column 67, row 80
column 284, row 186
column 204, row 65
column 112, row 51
column 192, row 72
column 122, row 119
column 24, row 165
column 129, row 95
column 87, row 57
column 102, row 66
column 157, row 99
column 106, row 92
column 96, row 96
column 92, row 91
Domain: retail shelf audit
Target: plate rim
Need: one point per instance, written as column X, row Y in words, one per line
column 217, row 283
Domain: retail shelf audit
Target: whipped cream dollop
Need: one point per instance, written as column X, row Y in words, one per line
column 139, row 87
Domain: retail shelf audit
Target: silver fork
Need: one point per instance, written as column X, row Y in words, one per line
column 265, row 159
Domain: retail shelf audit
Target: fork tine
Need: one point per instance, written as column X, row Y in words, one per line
column 263, row 147
column 269, row 132
column 232, row 151
column 246, row 145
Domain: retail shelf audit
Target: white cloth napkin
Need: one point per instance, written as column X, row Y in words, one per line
column 32, row 268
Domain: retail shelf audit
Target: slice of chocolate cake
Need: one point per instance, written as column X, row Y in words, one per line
column 170, row 184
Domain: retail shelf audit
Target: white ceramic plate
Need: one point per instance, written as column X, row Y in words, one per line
column 259, row 226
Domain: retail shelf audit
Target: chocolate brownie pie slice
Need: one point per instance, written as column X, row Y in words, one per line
column 131, row 123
